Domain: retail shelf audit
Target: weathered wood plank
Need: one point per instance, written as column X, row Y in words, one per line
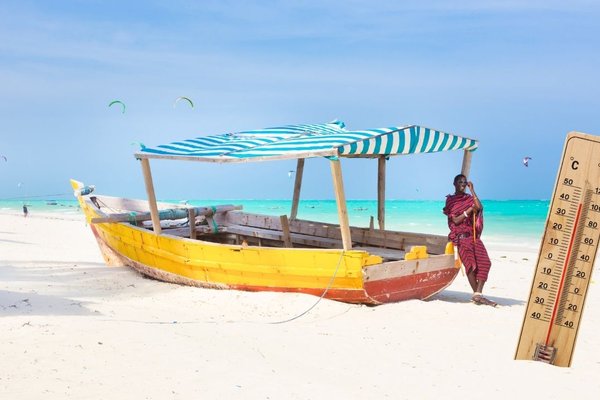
column 200, row 231
column 192, row 222
column 285, row 230
column 297, row 238
column 436, row 244
column 395, row 269
column 466, row 163
column 388, row 254
column 116, row 204
column 297, row 187
column 308, row 154
column 340, row 198
column 151, row 195
column 178, row 213
column 381, row 192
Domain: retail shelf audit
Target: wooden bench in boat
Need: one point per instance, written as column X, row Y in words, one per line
column 364, row 237
column 296, row 238
column 265, row 230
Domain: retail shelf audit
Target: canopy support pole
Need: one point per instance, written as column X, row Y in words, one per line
column 466, row 163
column 297, row 186
column 151, row 195
column 381, row 164
column 340, row 198
column 192, row 221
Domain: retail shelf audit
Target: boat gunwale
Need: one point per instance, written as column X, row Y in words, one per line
column 165, row 230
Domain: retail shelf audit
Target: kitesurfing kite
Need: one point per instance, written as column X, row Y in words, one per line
column 526, row 161
column 336, row 121
column 5, row 159
column 118, row 102
column 142, row 146
column 290, row 172
column 183, row 98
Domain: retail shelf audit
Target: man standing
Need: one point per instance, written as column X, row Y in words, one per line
column 465, row 220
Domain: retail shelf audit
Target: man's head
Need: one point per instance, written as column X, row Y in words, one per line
column 460, row 183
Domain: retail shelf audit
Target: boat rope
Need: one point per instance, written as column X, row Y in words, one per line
column 320, row 297
column 99, row 201
column 132, row 219
column 36, row 196
column 214, row 224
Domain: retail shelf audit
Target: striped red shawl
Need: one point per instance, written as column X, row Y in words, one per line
column 456, row 204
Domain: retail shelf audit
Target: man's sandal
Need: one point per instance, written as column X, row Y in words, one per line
column 479, row 300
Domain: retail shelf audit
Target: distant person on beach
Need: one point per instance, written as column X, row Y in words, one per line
column 25, row 210
column 465, row 220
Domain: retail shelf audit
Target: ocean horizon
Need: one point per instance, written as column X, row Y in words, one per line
column 506, row 221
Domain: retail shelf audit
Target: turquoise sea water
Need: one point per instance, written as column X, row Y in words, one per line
column 507, row 221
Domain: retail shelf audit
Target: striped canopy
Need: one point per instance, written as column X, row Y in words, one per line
column 310, row 140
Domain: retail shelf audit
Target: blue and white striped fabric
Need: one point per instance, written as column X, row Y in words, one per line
column 406, row 140
column 310, row 140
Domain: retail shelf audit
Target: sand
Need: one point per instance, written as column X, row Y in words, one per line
column 73, row 328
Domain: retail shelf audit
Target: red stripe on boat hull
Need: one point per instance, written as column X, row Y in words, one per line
column 418, row 286
column 358, row 296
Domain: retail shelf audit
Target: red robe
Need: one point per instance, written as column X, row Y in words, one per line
column 466, row 235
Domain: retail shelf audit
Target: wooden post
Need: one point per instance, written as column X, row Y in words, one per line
column 192, row 219
column 381, row 192
column 151, row 195
column 340, row 198
column 285, row 230
column 466, row 164
column 297, row 186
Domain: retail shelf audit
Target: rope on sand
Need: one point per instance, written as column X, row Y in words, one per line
column 320, row 297
column 255, row 322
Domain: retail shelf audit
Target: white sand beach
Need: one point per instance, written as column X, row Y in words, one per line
column 73, row 328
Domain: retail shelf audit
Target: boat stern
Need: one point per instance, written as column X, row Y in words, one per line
column 417, row 279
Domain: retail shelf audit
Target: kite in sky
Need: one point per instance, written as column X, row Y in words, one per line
column 142, row 146
column 526, row 161
column 5, row 159
column 118, row 102
column 183, row 98
column 290, row 172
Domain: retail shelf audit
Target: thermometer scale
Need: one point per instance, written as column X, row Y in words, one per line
column 566, row 257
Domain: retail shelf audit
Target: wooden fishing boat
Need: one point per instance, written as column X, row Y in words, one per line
column 221, row 246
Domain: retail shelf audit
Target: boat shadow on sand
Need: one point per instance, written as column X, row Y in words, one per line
column 67, row 287
column 32, row 303
column 453, row 296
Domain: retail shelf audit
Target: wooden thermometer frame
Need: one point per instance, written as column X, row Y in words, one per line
column 566, row 258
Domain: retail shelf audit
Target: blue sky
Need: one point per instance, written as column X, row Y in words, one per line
column 516, row 75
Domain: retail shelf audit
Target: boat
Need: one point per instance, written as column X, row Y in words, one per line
column 221, row 246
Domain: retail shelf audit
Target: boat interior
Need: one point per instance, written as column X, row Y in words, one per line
column 228, row 224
